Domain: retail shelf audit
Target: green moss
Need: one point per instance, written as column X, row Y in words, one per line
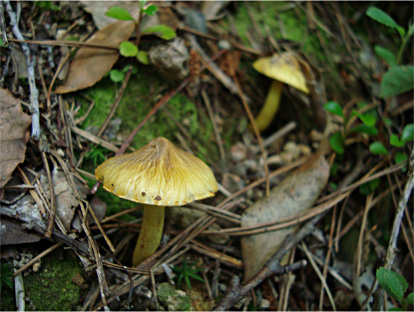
column 52, row 289
column 7, row 293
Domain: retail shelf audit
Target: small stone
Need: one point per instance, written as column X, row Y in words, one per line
column 265, row 304
column 238, row 151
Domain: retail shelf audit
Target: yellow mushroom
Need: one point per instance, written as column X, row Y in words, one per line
column 283, row 68
column 157, row 175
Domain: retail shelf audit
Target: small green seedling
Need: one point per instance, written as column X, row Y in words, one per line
column 185, row 272
column 129, row 49
column 398, row 79
column 395, row 285
column 368, row 119
column 368, row 126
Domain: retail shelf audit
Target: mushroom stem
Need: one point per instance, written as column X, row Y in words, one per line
column 151, row 232
column 270, row 106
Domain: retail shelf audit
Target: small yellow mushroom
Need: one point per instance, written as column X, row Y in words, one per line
column 157, row 175
column 283, row 68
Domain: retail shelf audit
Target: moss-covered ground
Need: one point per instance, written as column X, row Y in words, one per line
column 51, row 288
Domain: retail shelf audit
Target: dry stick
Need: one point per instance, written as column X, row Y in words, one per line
column 283, row 223
column 211, row 37
column 115, row 106
column 95, row 139
column 213, row 122
column 361, row 237
column 272, row 267
column 410, row 226
column 32, row 192
column 3, row 27
column 34, row 93
column 392, row 246
column 211, row 252
column 303, row 216
column 284, row 294
column 366, row 179
column 262, row 180
column 37, row 258
column 256, row 131
column 318, row 272
column 66, row 44
column 52, row 213
column 95, row 218
column 328, row 255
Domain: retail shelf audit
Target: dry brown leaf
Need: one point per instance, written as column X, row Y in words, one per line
column 13, row 135
column 294, row 194
column 91, row 64
column 98, row 9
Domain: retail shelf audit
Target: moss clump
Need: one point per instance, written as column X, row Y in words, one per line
column 52, row 289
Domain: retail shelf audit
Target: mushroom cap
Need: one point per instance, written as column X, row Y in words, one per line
column 158, row 174
column 283, row 67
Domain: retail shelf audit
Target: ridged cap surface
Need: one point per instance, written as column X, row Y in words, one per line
column 158, row 174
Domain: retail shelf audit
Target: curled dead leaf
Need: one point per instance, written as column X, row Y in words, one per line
column 91, row 64
column 14, row 135
column 294, row 194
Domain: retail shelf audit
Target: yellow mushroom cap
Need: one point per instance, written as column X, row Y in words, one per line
column 283, row 67
column 158, row 174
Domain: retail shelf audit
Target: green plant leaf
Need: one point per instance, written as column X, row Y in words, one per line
column 150, row 10
column 410, row 298
column 334, row 108
column 2, row 43
column 162, row 31
column 393, row 283
column 395, row 141
column 116, row 75
column 368, row 119
column 383, row 18
column 385, row 54
column 408, row 133
column 337, row 142
column 377, row 148
column 142, row 57
column 400, row 157
column 411, row 30
column 127, row 49
column 119, row 13
column 397, row 80
column 365, row 129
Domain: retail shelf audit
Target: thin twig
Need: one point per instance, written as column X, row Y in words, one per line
column 115, row 105
column 213, row 122
column 392, row 246
column 52, row 213
column 37, row 258
column 318, row 272
column 257, row 133
column 31, row 61
column 64, row 43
